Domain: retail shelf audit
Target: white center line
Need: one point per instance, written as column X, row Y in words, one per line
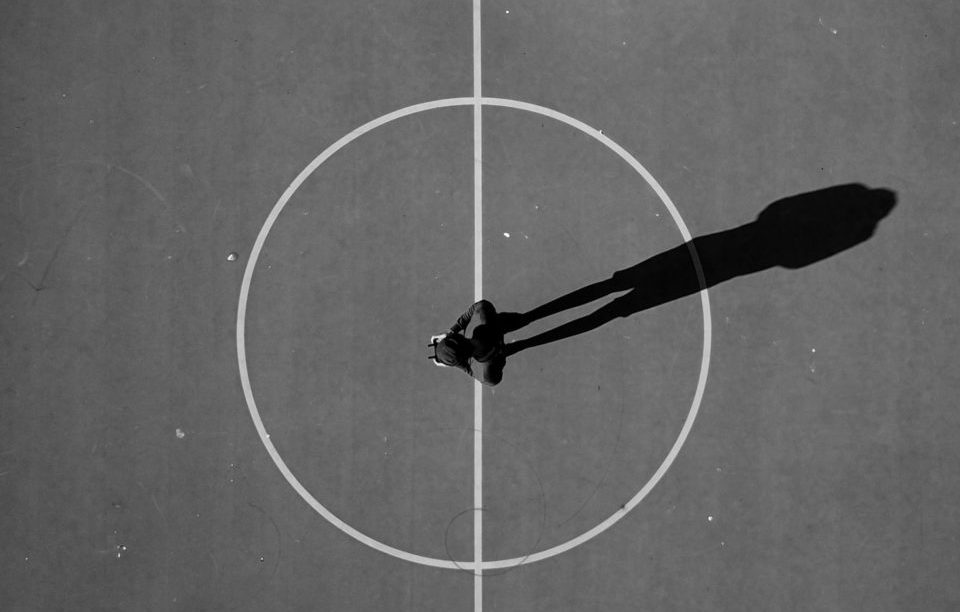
column 477, row 294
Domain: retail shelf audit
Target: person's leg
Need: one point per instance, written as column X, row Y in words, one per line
column 491, row 372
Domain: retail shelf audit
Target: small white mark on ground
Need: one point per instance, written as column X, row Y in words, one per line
column 710, row 518
column 813, row 350
column 180, row 433
column 507, row 12
column 506, row 234
column 232, row 257
column 832, row 30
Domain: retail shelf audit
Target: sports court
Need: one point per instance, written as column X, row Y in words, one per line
column 230, row 228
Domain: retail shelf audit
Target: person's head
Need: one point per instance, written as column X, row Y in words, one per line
column 453, row 350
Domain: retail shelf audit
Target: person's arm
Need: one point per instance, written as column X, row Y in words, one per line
column 464, row 319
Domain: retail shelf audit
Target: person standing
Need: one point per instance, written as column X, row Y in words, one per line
column 482, row 355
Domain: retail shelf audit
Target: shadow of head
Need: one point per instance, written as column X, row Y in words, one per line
column 806, row 228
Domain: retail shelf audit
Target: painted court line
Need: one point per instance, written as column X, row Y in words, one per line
column 477, row 295
column 475, row 564
column 241, row 334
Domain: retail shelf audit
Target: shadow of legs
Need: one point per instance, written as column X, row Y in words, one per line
column 512, row 321
column 590, row 322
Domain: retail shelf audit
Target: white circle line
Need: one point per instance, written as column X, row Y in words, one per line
column 707, row 334
column 241, row 336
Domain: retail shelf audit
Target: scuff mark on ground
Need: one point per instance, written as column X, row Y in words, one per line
column 276, row 564
column 153, row 190
column 41, row 285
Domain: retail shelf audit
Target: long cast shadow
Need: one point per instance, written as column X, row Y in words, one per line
column 792, row 233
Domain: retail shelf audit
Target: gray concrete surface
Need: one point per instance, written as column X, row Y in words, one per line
column 144, row 142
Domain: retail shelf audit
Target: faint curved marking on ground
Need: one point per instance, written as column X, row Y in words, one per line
column 276, row 529
column 153, row 190
column 606, row 470
column 469, row 567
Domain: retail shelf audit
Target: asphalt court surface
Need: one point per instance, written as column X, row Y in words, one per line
column 144, row 142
